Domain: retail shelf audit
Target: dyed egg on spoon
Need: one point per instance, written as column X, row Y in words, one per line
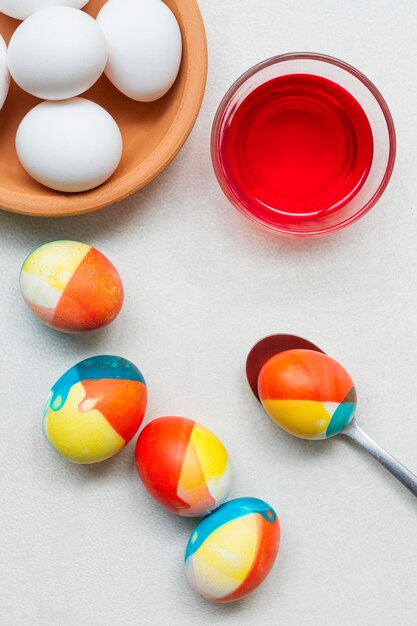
column 71, row 286
column 311, row 396
column 183, row 465
column 95, row 409
column 232, row 550
column 307, row 393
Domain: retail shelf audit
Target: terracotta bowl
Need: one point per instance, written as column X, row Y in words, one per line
column 153, row 132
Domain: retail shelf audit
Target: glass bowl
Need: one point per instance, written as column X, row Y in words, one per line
column 354, row 89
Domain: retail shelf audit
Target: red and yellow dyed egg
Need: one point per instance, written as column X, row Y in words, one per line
column 307, row 393
column 71, row 286
column 95, row 409
column 183, row 465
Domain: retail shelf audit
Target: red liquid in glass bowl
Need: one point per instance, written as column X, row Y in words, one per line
column 296, row 152
column 299, row 143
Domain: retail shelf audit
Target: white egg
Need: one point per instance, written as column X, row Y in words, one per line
column 21, row 9
column 145, row 47
column 4, row 72
column 69, row 145
column 57, row 53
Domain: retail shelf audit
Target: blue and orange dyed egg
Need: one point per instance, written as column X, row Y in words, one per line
column 71, row 286
column 183, row 465
column 307, row 393
column 232, row 550
column 95, row 409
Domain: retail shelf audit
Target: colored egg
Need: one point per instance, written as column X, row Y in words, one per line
column 307, row 393
column 95, row 409
column 183, row 465
column 71, row 286
column 232, row 550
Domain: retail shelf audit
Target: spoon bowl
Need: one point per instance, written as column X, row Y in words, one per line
column 268, row 347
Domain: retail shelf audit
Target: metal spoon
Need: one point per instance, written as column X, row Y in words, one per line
column 275, row 344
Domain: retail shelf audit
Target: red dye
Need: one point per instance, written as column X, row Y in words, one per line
column 298, row 146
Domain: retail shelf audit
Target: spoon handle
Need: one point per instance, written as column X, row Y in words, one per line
column 407, row 478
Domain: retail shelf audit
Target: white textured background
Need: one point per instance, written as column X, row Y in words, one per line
column 86, row 546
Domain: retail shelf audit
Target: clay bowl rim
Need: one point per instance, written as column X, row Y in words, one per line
column 113, row 191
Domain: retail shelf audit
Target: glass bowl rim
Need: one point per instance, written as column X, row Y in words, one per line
column 294, row 56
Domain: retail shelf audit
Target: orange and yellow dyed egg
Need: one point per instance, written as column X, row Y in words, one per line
column 232, row 550
column 183, row 465
column 307, row 393
column 71, row 286
column 95, row 409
